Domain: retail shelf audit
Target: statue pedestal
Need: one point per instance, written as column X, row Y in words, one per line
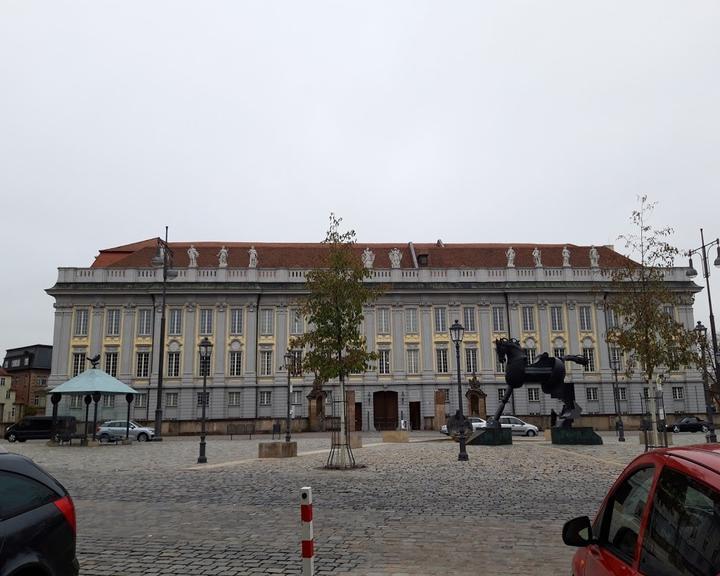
column 571, row 436
column 277, row 449
column 490, row 437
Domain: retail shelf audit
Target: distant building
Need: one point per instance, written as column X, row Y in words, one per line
column 245, row 299
column 7, row 398
column 29, row 367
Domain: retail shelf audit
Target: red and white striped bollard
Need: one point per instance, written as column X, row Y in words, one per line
column 306, row 532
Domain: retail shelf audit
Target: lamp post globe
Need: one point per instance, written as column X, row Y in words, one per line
column 457, row 332
column 205, row 348
column 289, row 358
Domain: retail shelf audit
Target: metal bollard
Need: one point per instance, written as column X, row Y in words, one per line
column 306, row 532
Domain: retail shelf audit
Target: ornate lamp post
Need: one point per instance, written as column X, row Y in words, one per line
column 205, row 348
column 702, row 342
column 163, row 258
column 289, row 363
column 614, row 364
column 691, row 272
column 456, row 335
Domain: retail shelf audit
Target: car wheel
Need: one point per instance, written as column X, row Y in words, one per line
column 676, row 429
column 12, row 437
column 142, row 437
column 531, row 433
column 104, row 439
column 704, row 428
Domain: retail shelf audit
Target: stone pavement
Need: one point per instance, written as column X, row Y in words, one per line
column 149, row 509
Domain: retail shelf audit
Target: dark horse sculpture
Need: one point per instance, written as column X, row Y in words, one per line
column 547, row 371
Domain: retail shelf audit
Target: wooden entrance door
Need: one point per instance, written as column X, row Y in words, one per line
column 415, row 422
column 385, row 407
column 358, row 416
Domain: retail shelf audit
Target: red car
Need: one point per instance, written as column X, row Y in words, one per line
column 660, row 518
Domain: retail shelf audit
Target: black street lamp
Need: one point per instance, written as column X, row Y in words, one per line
column 205, row 348
column 701, row 331
column 614, row 364
column 456, row 335
column 163, row 258
column 691, row 272
column 289, row 358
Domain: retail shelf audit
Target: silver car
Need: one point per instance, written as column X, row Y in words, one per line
column 519, row 426
column 476, row 422
column 113, row 430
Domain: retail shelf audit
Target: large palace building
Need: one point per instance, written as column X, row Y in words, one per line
column 245, row 299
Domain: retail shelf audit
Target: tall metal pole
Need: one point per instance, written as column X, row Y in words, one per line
column 161, row 356
column 616, row 392
column 205, row 363
column 462, row 455
column 710, row 436
column 713, row 333
column 288, row 361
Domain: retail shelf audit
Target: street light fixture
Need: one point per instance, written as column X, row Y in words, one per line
column 456, row 335
column 615, row 364
column 289, row 363
column 163, row 258
column 691, row 272
column 701, row 331
column 205, row 348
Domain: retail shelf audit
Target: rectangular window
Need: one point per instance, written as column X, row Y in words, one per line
column 76, row 401
column 112, row 322
column 204, row 366
column 36, row 400
column 592, row 393
column 556, row 318
column 175, row 322
column 141, row 400
column 203, row 397
column 142, row 365
column 622, row 393
column 171, row 400
column 206, row 321
column 646, row 392
column 81, row 322
column 589, row 354
column 265, row 398
column 441, row 356
column 2, row 381
column 559, row 352
column 297, row 398
column 413, row 361
column 236, row 321
column 78, row 363
column 501, row 394
column 235, row 363
column 440, row 319
column 611, row 318
column 233, row 398
column 585, row 314
column 616, row 359
column 173, row 364
column 411, row 320
column 111, row 363
column 297, row 322
column 471, row 360
column 144, row 324
column 533, row 394
column 266, row 363
column 528, row 318
column 383, row 320
column 530, row 354
column 499, row 366
column 446, row 394
column 669, row 311
column 469, row 319
column 296, row 366
column 384, row 361
column 108, row 400
column 678, row 393
column 267, row 320
column 498, row 313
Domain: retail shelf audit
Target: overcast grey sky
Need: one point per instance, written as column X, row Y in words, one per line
column 470, row 121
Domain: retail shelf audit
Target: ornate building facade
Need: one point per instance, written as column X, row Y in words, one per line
column 245, row 299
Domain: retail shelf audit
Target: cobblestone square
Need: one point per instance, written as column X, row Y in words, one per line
column 413, row 508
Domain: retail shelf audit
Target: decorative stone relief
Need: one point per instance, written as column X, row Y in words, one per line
column 368, row 258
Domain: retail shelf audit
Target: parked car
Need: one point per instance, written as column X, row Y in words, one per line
column 475, row 421
column 517, row 426
column 113, row 430
column 662, row 516
column 40, row 428
column 688, row 424
column 37, row 521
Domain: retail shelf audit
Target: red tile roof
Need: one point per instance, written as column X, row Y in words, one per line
column 310, row 255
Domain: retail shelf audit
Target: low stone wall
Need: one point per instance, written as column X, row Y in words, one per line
column 396, row 436
column 277, row 449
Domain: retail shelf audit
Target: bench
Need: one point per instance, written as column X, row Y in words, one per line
column 241, row 428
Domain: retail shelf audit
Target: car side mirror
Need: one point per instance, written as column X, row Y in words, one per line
column 578, row 532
